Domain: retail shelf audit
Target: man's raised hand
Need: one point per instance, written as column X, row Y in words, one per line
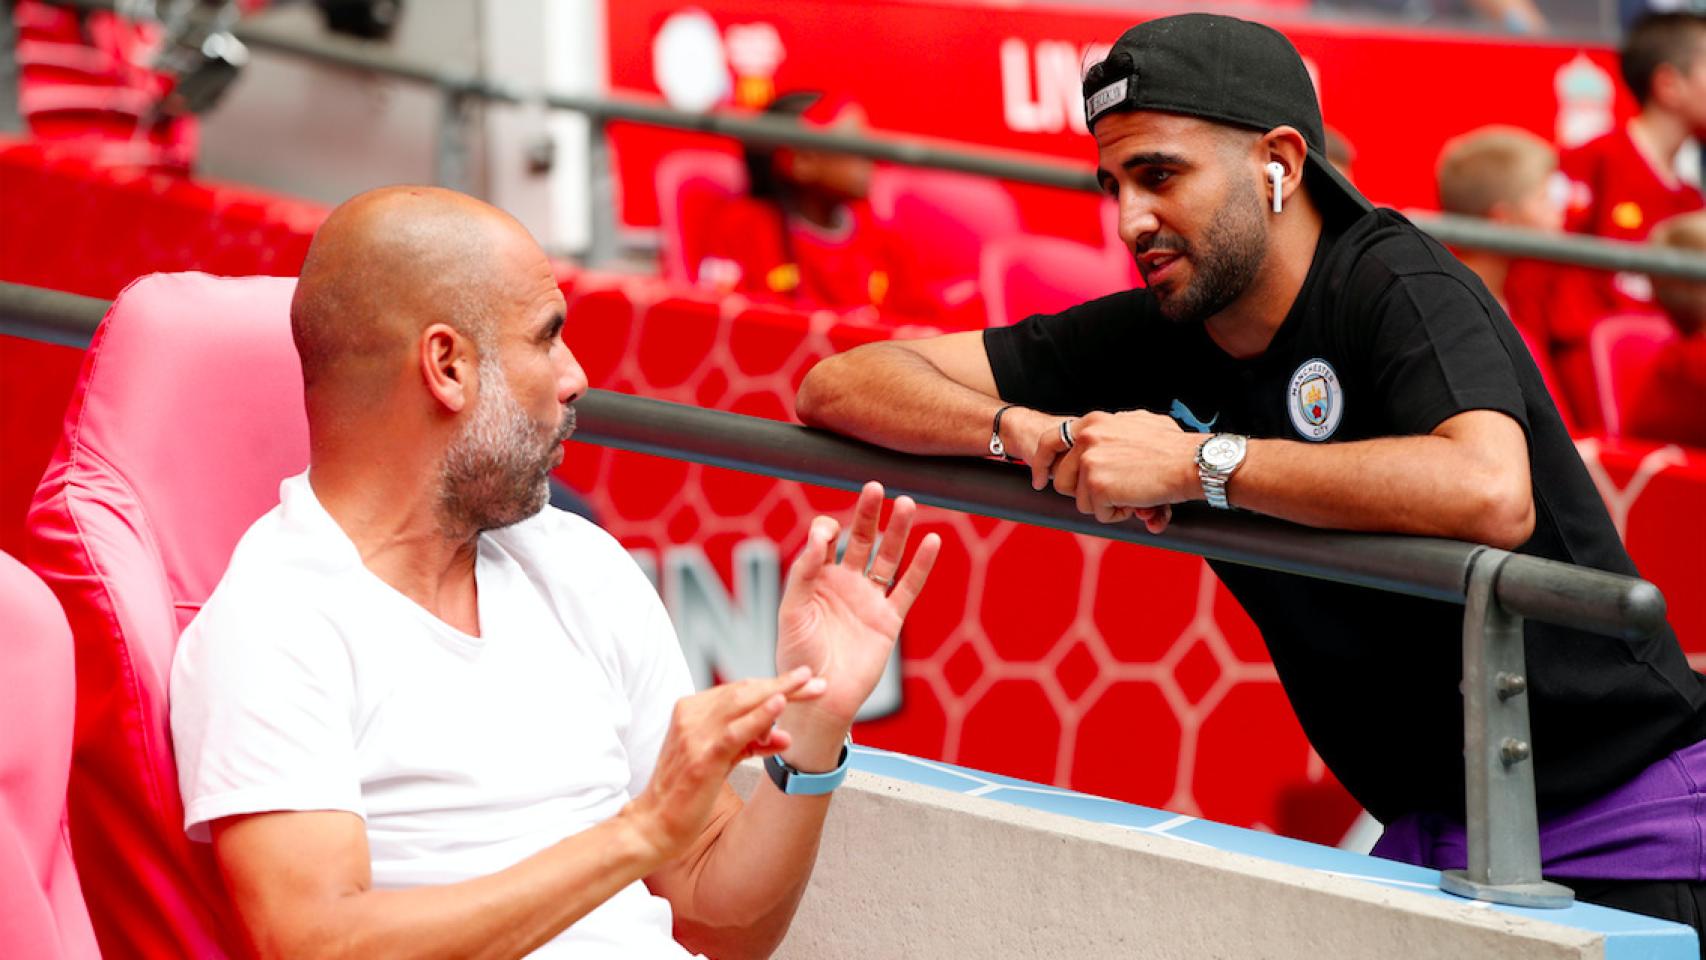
column 841, row 622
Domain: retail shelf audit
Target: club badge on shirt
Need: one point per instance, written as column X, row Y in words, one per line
column 1315, row 400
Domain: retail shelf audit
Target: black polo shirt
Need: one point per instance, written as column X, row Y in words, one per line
column 1389, row 336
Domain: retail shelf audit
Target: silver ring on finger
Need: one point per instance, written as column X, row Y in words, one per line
column 887, row 583
column 1066, row 434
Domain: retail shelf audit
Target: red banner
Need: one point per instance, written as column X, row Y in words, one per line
column 1006, row 76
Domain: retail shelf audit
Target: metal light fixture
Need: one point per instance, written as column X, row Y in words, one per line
column 200, row 53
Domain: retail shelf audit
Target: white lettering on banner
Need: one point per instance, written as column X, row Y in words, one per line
column 1022, row 113
column 755, row 49
column 734, row 637
column 1055, row 100
column 1586, row 95
column 688, row 61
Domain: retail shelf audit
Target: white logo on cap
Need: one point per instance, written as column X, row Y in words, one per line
column 1105, row 98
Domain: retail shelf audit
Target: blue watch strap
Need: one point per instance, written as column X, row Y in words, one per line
column 794, row 783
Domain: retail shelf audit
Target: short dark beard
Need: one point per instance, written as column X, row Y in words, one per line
column 1226, row 261
column 496, row 471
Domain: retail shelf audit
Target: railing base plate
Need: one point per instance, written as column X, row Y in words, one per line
column 1544, row 895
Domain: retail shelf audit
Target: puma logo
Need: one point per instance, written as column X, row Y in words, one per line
column 1183, row 414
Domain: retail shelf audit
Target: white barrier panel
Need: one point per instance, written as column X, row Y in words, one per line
column 921, row 859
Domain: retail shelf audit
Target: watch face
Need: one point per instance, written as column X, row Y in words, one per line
column 1220, row 453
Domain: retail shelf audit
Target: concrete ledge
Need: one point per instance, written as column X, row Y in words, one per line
column 908, row 870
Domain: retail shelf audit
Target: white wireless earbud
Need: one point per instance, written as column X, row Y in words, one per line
column 1276, row 173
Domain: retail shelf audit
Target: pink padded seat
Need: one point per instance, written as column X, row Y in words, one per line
column 187, row 414
column 41, row 907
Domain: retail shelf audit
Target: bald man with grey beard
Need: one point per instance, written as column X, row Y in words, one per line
column 423, row 714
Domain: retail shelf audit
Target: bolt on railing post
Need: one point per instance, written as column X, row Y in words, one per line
column 1502, row 824
column 450, row 156
column 601, row 193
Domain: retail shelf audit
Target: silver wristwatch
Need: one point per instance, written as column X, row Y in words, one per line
column 1217, row 458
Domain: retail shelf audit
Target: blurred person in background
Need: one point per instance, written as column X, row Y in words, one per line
column 1515, row 16
column 804, row 232
column 1671, row 406
column 1624, row 182
column 1510, row 177
column 1629, row 179
column 1505, row 175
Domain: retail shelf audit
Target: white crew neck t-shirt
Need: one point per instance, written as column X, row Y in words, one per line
column 307, row 683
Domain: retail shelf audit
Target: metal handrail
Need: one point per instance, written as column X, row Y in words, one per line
column 1428, row 567
column 1600, row 253
column 458, row 88
column 1499, row 588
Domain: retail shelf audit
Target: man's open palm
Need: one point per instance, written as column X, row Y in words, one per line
column 841, row 620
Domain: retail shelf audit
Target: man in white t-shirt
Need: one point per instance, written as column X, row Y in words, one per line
column 423, row 714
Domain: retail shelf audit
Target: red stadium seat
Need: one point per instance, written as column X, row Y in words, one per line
column 691, row 184
column 83, row 79
column 41, row 905
column 1623, row 349
column 937, row 225
column 1026, row 274
column 187, row 415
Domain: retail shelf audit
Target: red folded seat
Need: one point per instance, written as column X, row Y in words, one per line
column 1623, row 350
column 1028, row 274
column 936, row 224
column 692, row 187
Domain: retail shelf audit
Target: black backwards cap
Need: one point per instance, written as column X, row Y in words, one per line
column 1224, row 70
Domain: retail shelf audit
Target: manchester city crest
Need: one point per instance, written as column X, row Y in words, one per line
column 1315, row 400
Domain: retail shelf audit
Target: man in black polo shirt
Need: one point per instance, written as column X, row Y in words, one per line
column 1300, row 354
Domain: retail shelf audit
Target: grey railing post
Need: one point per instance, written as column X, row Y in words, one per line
column 601, row 192
column 1503, row 825
column 450, row 156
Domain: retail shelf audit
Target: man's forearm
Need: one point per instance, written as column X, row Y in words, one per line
column 1414, row 485
column 1469, row 479
column 887, row 394
column 506, row 914
column 749, row 879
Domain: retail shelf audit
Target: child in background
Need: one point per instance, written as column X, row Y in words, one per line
column 1626, row 181
column 1510, row 177
column 804, row 232
column 1633, row 177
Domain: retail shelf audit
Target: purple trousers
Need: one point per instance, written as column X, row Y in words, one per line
column 1651, row 828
